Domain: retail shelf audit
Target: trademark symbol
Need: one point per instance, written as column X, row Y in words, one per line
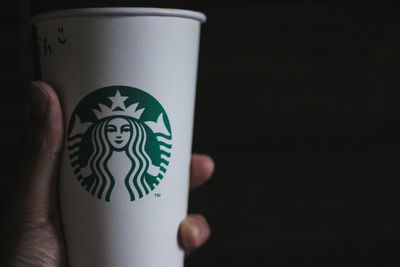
column 157, row 194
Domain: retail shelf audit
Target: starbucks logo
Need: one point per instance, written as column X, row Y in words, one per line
column 119, row 136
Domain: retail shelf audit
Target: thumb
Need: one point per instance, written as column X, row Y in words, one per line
column 37, row 181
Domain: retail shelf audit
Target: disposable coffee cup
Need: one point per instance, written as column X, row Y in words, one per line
column 126, row 79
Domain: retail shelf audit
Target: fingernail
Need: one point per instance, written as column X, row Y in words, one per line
column 39, row 100
column 197, row 227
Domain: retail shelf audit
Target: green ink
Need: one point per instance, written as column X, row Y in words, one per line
column 119, row 119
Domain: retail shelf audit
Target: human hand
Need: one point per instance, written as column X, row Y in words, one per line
column 35, row 224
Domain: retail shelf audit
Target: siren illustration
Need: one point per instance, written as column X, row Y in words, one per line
column 119, row 136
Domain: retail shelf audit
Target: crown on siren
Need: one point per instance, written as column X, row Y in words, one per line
column 118, row 108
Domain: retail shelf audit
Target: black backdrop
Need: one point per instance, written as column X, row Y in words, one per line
column 298, row 104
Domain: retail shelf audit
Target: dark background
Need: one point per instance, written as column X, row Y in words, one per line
column 298, row 103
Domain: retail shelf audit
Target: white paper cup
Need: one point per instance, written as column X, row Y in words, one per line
column 126, row 78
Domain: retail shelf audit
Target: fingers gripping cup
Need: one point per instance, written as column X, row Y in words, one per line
column 126, row 78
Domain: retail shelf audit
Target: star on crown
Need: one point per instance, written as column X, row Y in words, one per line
column 118, row 108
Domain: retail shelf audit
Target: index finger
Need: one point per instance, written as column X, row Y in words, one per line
column 202, row 167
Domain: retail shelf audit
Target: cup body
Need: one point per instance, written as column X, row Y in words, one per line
column 126, row 79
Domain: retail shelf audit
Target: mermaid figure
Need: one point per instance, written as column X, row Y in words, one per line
column 118, row 155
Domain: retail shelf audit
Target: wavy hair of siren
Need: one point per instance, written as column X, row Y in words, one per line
column 135, row 180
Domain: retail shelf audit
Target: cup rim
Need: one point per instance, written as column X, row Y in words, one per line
column 119, row 11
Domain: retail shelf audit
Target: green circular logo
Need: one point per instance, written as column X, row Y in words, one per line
column 119, row 136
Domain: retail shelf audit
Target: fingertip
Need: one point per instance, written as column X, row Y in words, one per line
column 41, row 84
column 208, row 165
column 54, row 121
column 201, row 170
column 48, row 89
column 39, row 99
column 194, row 232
